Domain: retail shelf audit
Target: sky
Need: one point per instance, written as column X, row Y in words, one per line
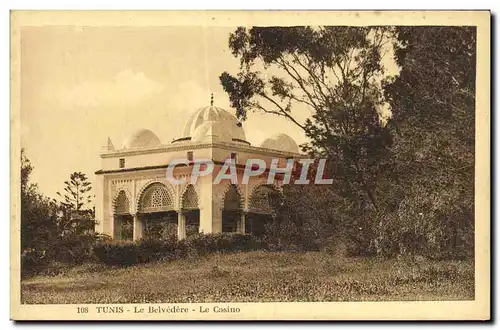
column 81, row 85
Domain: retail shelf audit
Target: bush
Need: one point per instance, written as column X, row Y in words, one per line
column 76, row 248
column 286, row 235
column 32, row 261
column 155, row 249
column 116, row 253
column 68, row 249
column 429, row 224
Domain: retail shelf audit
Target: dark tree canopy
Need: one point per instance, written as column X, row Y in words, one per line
column 38, row 213
column 400, row 149
column 433, row 104
column 333, row 72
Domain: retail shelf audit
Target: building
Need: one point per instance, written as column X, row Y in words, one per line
column 135, row 198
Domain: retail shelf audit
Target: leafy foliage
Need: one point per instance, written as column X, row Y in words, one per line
column 116, row 253
column 154, row 249
column 38, row 222
column 309, row 219
column 400, row 149
column 433, row 102
column 335, row 73
column 77, row 191
column 49, row 231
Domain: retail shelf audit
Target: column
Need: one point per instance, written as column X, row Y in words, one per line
column 138, row 228
column 205, row 203
column 101, row 200
column 181, row 225
column 216, row 218
column 117, row 229
column 242, row 222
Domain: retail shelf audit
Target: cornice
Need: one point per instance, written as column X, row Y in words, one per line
column 164, row 166
column 160, row 149
column 194, row 146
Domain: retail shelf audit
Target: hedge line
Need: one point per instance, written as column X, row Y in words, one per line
column 147, row 250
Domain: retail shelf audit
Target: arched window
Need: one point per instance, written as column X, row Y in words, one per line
column 122, row 205
column 156, row 198
column 265, row 199
column 232, row 199
column 189, row 198
column 263, row 207
column 232, row 210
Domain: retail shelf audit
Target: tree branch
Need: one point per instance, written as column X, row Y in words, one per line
column 298, row 79
column 282, row 111
column 312, row 75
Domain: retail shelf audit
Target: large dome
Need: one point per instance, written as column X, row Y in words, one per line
column 142, row 138
column 213, row 123
column 281, row 142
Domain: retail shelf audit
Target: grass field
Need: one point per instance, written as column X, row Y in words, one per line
column 258, row 277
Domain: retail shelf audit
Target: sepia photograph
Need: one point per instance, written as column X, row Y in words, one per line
column 206, row 165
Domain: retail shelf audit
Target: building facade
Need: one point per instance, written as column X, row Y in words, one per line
column 134, row 198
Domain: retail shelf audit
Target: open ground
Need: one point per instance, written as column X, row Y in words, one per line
column 256, row 276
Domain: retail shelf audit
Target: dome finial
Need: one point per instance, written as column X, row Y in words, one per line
column 212, row 100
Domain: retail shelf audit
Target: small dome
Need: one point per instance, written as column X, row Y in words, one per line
column 143, row 138
column 213, row 123
column 203, row 131
column 281, row 142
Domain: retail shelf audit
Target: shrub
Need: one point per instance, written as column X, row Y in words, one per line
column 286, row 235
column 116, row 253
column 154, row 249
column 32, row 261
column 426, row 223
column 76, row 248
column 160, row 230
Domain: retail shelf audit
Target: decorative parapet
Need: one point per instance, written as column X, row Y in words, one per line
column 194, row 146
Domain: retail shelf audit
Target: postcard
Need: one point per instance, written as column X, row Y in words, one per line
column 250, row 165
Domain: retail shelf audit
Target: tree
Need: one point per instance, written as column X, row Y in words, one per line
column 334, row 72
column 38, row 222
column 77, row 192
column 407, row 179
column 76, row 218
column 46, row 234
column 433, row 97
column 26, row 169
column 38, row 213
column 433, row 112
